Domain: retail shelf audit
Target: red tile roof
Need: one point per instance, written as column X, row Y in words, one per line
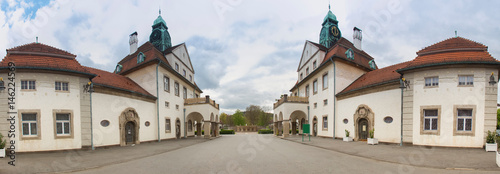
column 41, row 56
column 151, row 53
column 338, row 50
column 375, row 77
column 116, row 81
column 450, row 51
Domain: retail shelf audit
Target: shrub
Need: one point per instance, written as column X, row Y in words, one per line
column 202, row 132
column 372, row 132
column 490, row 138
column 226, row 131
column 346, row 133
column 2, row 142
column 266, row 131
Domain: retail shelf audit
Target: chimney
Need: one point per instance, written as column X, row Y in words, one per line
column 133, row 42
column 357, row 37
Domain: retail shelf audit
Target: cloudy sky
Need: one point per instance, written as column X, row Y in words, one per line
column 245, row 51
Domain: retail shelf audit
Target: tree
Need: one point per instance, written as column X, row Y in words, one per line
column 265, row 119
column 238, row 118
column 223, row 119
column 252, row 114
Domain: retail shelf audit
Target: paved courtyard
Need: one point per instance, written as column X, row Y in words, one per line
column 253, row 153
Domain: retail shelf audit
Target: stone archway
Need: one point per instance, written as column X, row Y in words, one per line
column 129, row 119
column 197, row 120
column 296, row 117
column 315, row 126
column 177, row 128
column 363, row 115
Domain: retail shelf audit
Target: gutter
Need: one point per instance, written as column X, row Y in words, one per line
column 158, row 102
column 91, row 126
column 447, row 63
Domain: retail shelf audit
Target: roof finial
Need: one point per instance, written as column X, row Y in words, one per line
column 159, row 11
column 328, row 5
column 37, row 39
column 456, row 35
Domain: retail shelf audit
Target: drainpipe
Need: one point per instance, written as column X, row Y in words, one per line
column 402, row 86
column 91, row 127
column 158, row 102
column 334, row 103
column 185, row 128
column 308, row 120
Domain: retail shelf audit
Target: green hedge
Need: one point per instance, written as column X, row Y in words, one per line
column 266, row 131
column 226, row 131
column 202, row 132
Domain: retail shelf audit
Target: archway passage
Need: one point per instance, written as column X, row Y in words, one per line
column 177, row 129
column 297, row 118
column 363, row 129
column 195, row 121
column 129, row 132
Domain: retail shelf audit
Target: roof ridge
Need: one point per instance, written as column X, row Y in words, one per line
column 442, row 45
column 38, row 43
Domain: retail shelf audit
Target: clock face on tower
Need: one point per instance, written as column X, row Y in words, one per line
column 156, row 35
column 335, row 32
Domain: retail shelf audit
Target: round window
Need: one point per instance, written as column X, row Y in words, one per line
column 388, row 119
column 104, row 123
column 346, row 121
column 147, row 123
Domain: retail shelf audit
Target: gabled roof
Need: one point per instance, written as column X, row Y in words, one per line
column 321, row 47
column 151, row 53
column 338, row 50
column 119, row 82
column 41, row 56
column 375, row 78
column 455, row 50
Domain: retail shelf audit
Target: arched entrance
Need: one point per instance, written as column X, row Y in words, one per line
column 297, row 118
column 177, row 128
column 363, row 117
column 196, row 120
column 315, row 126
column 129, row 127
column 362, row 129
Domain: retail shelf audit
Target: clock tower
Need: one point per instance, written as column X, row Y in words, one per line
column 330, row 33
column 160, row 37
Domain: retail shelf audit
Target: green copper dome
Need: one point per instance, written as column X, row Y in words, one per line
column 159, row 20
column 330, row 16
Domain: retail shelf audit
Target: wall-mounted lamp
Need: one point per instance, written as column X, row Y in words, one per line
column 88, row 87
column 402, row 83
column 2, row 84
column 492, row 79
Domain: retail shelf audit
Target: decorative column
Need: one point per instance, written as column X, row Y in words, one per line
column 286, row 128
column 207, row 128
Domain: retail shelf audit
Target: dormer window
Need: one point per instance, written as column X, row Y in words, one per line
column 307, row 71
column 184, row 72
column 140, row 57
column 314, row 65
column 177, row 67
column 118, row 68
column 301, row 76
column 372, row 64
column 349, row 54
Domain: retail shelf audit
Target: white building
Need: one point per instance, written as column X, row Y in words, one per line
column 151, row 96
column 448, row 96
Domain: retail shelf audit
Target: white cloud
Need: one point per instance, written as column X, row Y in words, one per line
column 251, row 34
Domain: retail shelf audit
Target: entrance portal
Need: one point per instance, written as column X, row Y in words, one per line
column 315, row 126
column 363, row 129
column 129, row 132
column 178, row 129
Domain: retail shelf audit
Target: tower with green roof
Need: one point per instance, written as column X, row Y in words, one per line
column 160, row 37
column 330, row 33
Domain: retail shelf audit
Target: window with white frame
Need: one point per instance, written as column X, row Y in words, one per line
column 431, row 119
column 29, row 122
column 176, row 88
column 325, row 122
column 431, row 81
column 464, row 119
column 325, row 102
column 314, row 65
column 307, row 90
column 467, row 80
column 63, row 124
column 28, row 85
column 166, row 83
column 167, row 125
column 315, row 105
column 315, row 86
column 62, row 86
column 184, row 72
column 167, row 104
column 325, row 81
column 176, row 67
column 307, row 71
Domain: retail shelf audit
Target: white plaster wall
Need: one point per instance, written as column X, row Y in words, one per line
column 46, row 99
column 447, row 95
column 109, row 107
column 383, row 103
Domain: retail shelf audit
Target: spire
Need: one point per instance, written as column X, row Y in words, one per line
column 159, row 11
column 329, row 6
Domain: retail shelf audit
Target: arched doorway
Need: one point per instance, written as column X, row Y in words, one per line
column 177, row 128
column 363, row 129
column 315, row 126
column 129, row 127
column 297, row 118
column 363, row 123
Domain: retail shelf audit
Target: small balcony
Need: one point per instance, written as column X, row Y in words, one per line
column 291, row 99
column 197, row 101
